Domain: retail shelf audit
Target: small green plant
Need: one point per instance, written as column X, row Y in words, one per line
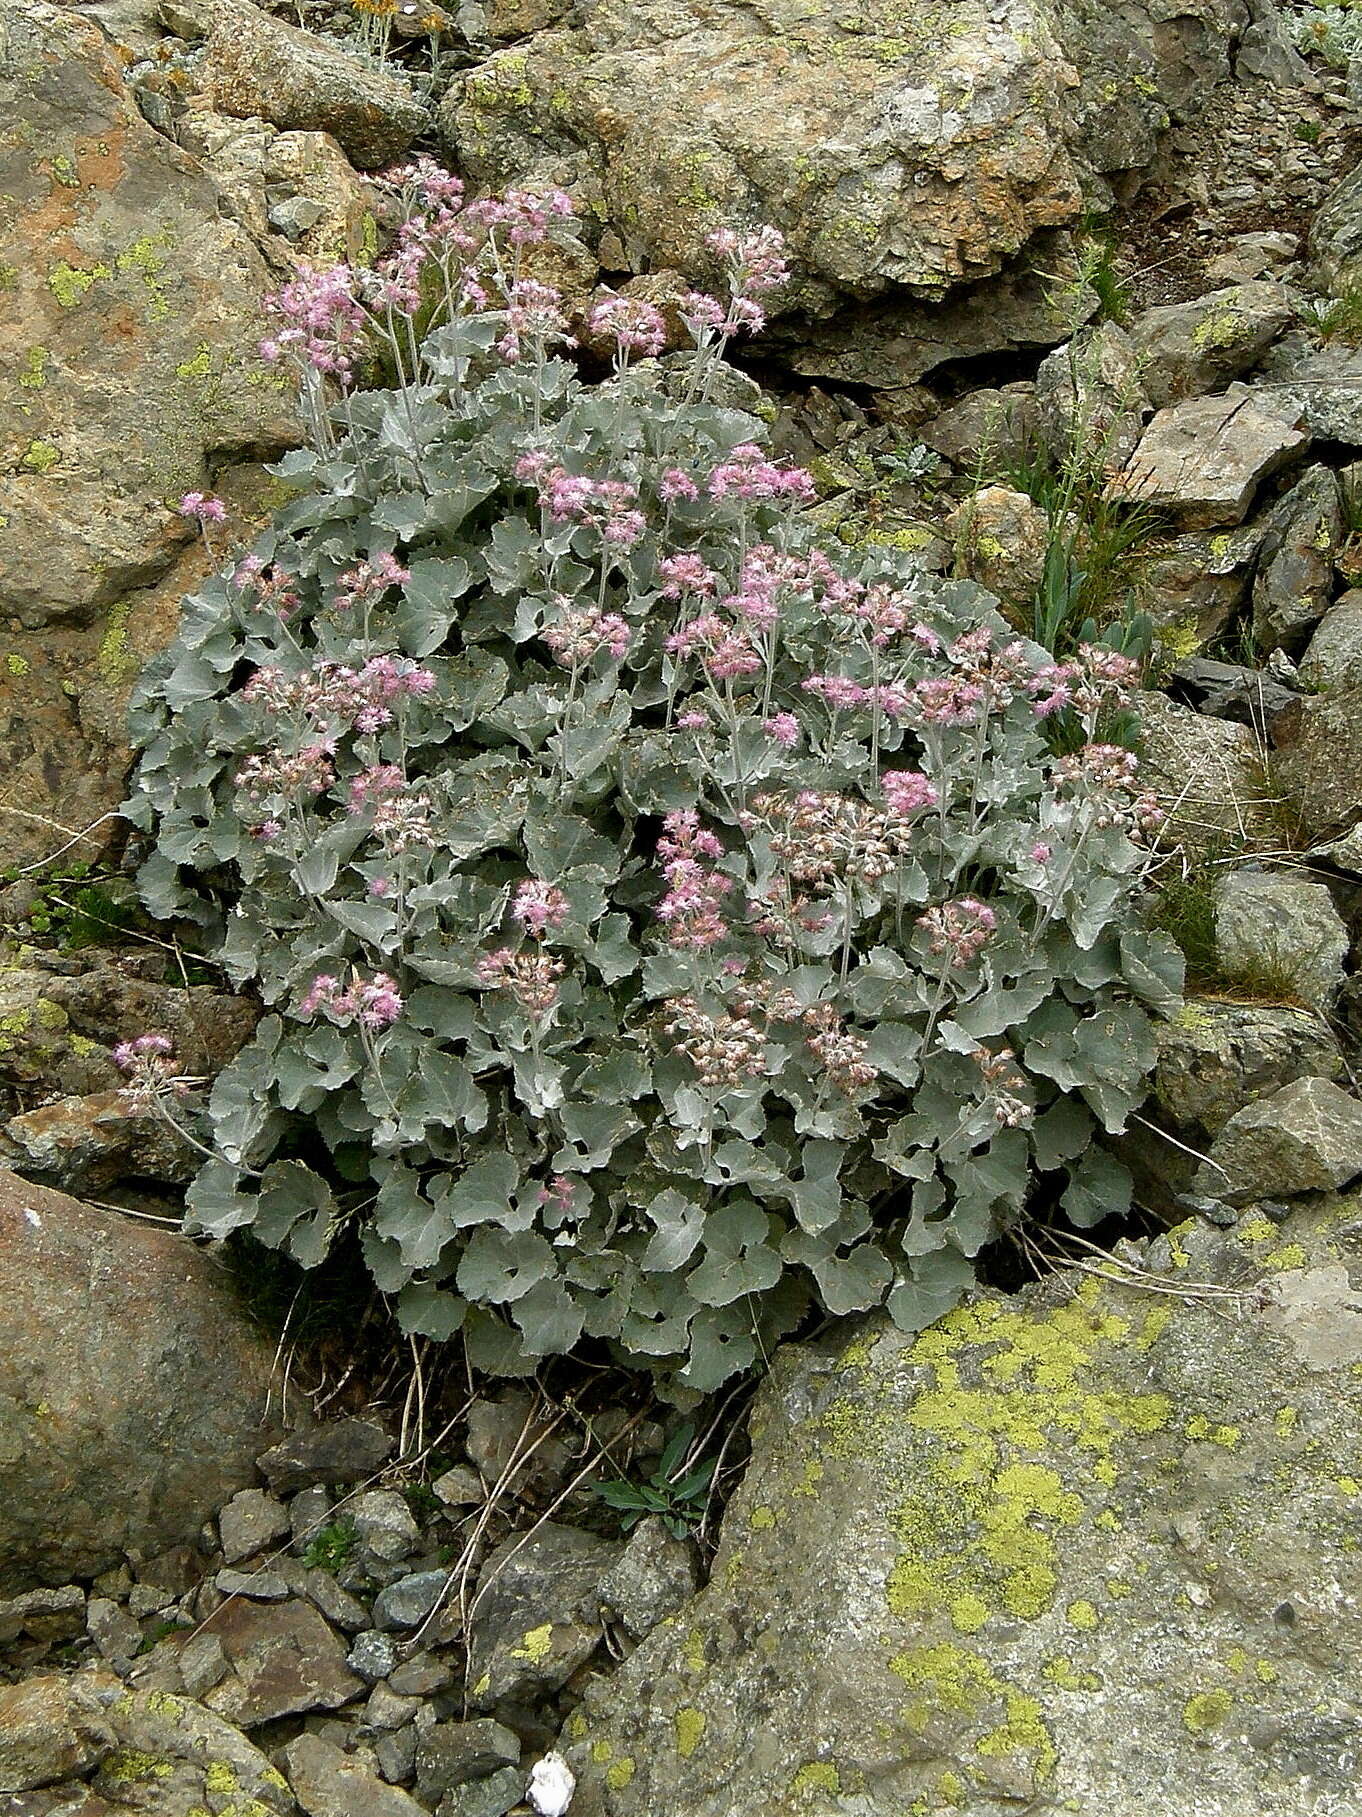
column 1309, row 132
column 1338, row 318
column 331, row 1547
column 1182, row 905
column 1331, row 29
column 676, row 1491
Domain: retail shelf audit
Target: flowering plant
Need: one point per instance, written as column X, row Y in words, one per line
column 667, row 925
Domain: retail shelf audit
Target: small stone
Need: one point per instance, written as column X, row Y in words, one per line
column 373, row 1655
column 44, row 1615
column 1185, row 349
column 1204, row 459
column 116, row 1635
column 1206, row 775
column 1279, row 931
column 1295, row 580
column 537, row 1613
column 149, row 1599
column 491, row 1797
column 341, row 1451
column 386, row 1710
column 1333, row 657
column 423, row 1675
column 395, row 1754
column 260, row 1586
column 385, row 1525
column 459, row 1487
column 336, row 1603
column 652, row 1578
column 203, row 1664
column 285, row 1661
column 453, row 1753
column 307, row 1515
column 329, row 1783
column 1305, row 1138
column 1001, row 537
column 250, row 1523
column 409, row 1601
column 51, row 1728
column 502, row 1428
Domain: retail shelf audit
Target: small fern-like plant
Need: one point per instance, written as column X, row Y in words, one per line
column 665, row 927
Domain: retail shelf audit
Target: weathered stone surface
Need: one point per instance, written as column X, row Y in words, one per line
column 1204, row 459
column 1206, row 774
column 1333, row 657
column 1321, row 387
column 129, row 336
column 1192, row 585
column 44, row 1615
column 341, row 1451
column 251, row 1522
column 1091, row 398
column 1216, row 1056
column 1089, row 1548
column 655, row 1574
column 1295, row 578
column 1186, row 349
column 385, row 1525
column 1001, row 538
column 329, row 1783
column 50, row 1728
column 452, row 1753
column 1279, row 930
column 174, row 1758
column 407, row 1602
column 1319, row 766
column 1230, row 690
column 985, row 429
column 284, row 1659
column 536, row 1615
column 132, row 1387
column 1307, row 1137
column 88, row 1144
column 919, row 148
column 1336, row 237
column 491, row 1797
column 256, row 66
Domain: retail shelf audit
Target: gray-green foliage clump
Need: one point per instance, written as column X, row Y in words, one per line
column 666, row 926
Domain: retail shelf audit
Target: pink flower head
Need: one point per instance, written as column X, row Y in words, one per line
column 201, row 508
column 635, row 327
column 1041, row 853
column 908, row 791
column 675, row 485
column 687, row 574
column 784, row 728
column 749, row 474
column 538, row 907
column 840, row 692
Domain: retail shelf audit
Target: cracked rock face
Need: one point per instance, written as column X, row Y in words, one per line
column 918, row 145
column 1087, row 1547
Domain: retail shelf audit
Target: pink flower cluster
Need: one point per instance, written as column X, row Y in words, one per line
column 310, row 770
column 749, row 473
column 582, row 631
column 337, row 694
column 274, row 588
column 539, row 907
column 692, row 908
column 531, row 978
column 908, row 792
column 724, row 652
column 367, row 582
column 635, row 326
column 201, row 508
column 608, row 505
column 374, row 1003
column 399, row 815
column 324, row 324
column 754, row 263
column 534, row 314
column 959, row 931
column 149, row 1062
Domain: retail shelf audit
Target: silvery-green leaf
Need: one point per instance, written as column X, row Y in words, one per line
column 501, row 1265
column 935, row 1286
column 428, row 1311
column 1099, row 1187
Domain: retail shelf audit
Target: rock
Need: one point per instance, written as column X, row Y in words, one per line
column 1229, row 690
column 43, row 1615
column 203, row 1663
column 1307, row 1137
column 1091, row 398
column 395, row 1754
column 132, row 1387
column 459, row 1487
column 501, row 1429
column 1295, row 579
column 986, row 429
column 1028, row 1557
column 536, row 1616
column 452, row 1753
column 916, row 152
column 131, row 372
column 384, row 1524
column 1252, row 255
column 259, row 1585
column 386, row 1711
column 50, row 1728
column 89, row 1144
column 1336, row 237
column 1216, row 1056
column 174, row 1758
column 1207, row 776
column 423, row 1675
column 328, row 1783
column 1280, row 932
column 284, row 1659
column 409, row 1600
column 341, row 1451
column 1320, row 387
column 1204, row 459
column 308, row 1512
column 1333, row 657
column 338, row 1606
column 257, row 67
column 1001, row 538
column 491, row 1797
column 372, row 1655
column 1318, row 765
column 116, row 1635
column 251, row 1522
column 1186, row 349
column 654, row 1575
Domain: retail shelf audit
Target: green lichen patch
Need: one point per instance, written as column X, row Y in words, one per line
column 690, row 1730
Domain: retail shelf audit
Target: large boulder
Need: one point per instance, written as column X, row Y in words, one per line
column 132, row 1388
column 128, row 375
column 1185, row 349
column 1091, row 1548
column 918, row 146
